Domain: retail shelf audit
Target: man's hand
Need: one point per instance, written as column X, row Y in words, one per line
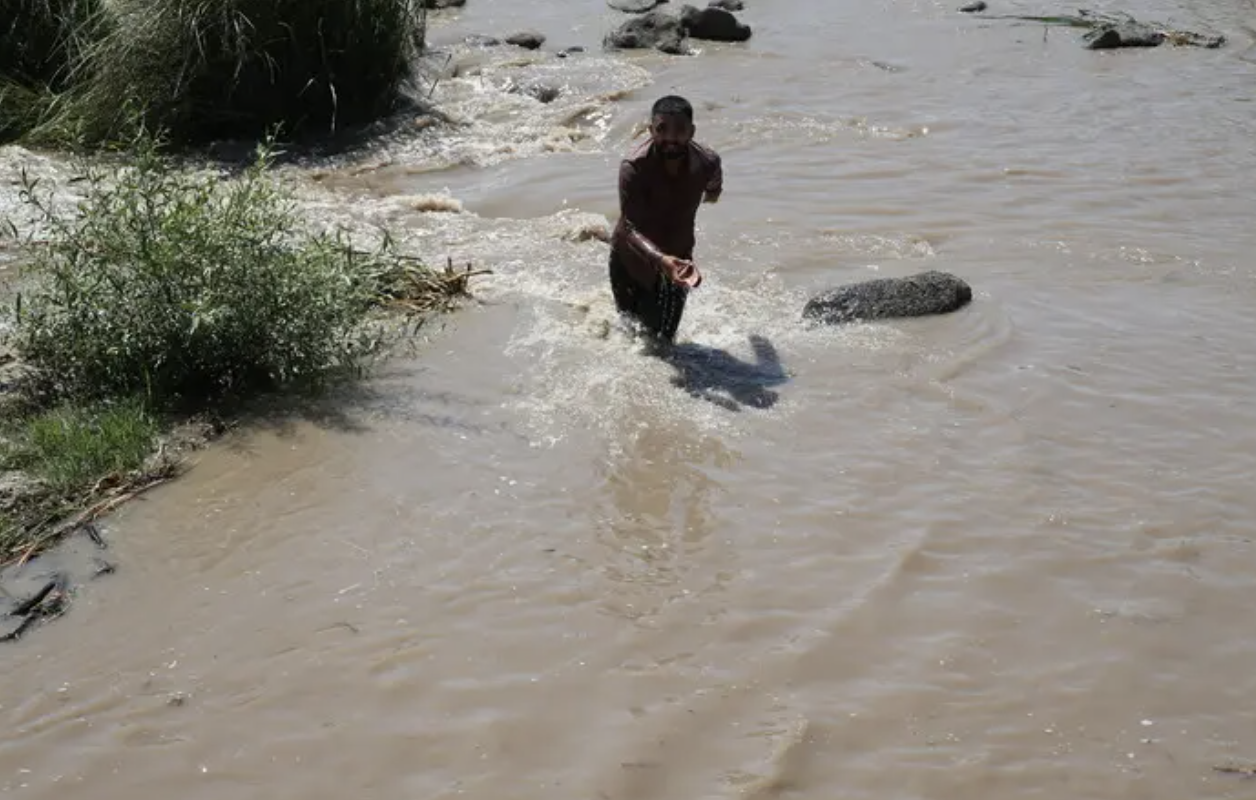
column 682, row 271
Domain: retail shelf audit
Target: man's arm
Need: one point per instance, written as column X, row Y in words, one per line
column 715, row 183
column 632, row 207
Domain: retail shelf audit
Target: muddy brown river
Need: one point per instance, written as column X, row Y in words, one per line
column 1004, row 553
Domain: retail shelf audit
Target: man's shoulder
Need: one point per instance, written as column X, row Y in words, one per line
column 705, row 152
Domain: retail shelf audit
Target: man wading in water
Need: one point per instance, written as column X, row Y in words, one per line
column 661, row 184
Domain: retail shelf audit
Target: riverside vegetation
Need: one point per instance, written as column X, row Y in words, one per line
column 171, row 294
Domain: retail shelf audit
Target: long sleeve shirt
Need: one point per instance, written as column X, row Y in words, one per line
column 658, row 210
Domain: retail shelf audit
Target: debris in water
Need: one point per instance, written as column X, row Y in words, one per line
column 1247, row 772
column 435, row 202
column 1108, row 32
column 418, row 289
column 48, row 603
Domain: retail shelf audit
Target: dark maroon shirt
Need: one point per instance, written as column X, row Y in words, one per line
column 657, row 210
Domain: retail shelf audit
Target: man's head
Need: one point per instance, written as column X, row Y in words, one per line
column 671, row 126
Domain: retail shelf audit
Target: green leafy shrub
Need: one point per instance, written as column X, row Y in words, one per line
column 187, row 288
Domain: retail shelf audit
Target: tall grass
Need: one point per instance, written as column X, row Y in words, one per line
column 41, row 39
column 206, row 69
column 41, row 42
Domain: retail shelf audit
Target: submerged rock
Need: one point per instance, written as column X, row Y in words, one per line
column 635, row 6
column 444, row 3
column 1109, row 32
column 1123, row 34
column 975, row 8
column 542, row 92
column 655, row 29
column 728, row 5
column 1139, row 34
column 713, row 24
column 919, row 295
column 530, row 40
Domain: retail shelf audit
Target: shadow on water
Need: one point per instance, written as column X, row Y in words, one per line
column 721, row 378
column 403, row 393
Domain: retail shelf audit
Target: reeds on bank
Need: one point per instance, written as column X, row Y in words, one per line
column 89, row 71
column 40, row 43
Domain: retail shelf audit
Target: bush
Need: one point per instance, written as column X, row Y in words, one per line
column 186, row 288
column 237, row 68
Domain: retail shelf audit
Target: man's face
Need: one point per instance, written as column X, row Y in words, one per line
column 671, row 134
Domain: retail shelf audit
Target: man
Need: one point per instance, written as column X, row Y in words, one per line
column 661, row 185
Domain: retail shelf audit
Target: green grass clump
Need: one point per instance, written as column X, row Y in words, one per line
column 69, row 448
column 68, row 458
column 237, row 68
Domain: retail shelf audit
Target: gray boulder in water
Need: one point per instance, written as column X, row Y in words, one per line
column 654, row 29
column 919, row 295
column 634, row 6
column 1139, row 34
column 713, row 24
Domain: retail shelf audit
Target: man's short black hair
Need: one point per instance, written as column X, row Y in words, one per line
column 672, row 104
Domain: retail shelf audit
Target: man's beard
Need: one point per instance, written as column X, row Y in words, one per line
column 673, row 152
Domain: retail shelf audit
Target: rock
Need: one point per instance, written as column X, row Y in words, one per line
column 542, row 92
column 1138, row 34
column 727, row 5
column 566, row 51
column 713, row 24
column 1106, row 32
column 436, row 4
column 478, row 40
column 655, row 29
column 1124, row 34
column 922, row 294
column 530, row 40
column 974, row 8
column 635, row 6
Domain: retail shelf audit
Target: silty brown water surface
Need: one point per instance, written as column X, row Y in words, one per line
column 1002, row 553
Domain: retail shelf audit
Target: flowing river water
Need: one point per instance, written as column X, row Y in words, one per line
column 1001, row 553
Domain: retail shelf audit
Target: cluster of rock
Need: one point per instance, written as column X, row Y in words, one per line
column 650, row 27
column 654, row 28
column 1108, row 31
